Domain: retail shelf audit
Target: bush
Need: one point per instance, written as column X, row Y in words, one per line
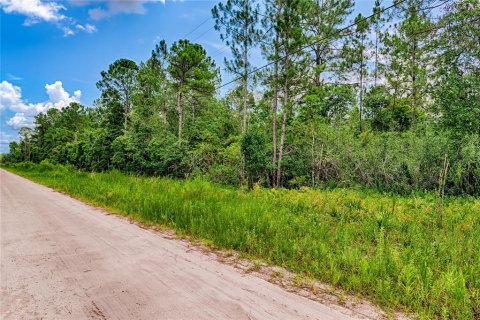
column 389, row 161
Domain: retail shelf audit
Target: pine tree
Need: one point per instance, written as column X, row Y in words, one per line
column 322, row 20
column 291, row 40
column 456, row 61
column 407, row 47
column 237, row 21
column 271, row 51
column 378, row 21
column 119, row 82
column 356, row 53
column 192, row 73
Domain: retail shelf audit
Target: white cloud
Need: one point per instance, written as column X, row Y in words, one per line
column 67, row 31
column 34, row 10
column 59, row 97
column 9, row 95
column 88, row 28
column 48, row 11
column 11, row 99
column 20, row 120
column 113, row 7
column 6, row 138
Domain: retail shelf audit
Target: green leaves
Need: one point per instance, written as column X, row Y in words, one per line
column 117, row 85
column 190, row 68
column 332, row 108
column 256, row 160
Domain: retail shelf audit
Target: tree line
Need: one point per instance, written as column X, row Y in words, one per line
column 383, row 101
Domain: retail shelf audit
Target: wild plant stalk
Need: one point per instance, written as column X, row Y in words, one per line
column 442, row 178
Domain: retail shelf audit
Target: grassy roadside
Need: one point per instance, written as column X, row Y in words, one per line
column 402, row 252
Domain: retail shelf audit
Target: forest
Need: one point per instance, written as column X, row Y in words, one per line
column 389, row 101
column 349, row 154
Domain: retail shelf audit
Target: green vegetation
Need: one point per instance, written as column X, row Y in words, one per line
column 390, row 105
column 410, row 252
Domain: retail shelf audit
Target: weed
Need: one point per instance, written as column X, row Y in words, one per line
column 386, row 247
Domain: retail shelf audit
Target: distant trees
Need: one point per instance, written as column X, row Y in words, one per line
column 237, row 20
column 377, row 22
column 380, row 104
column 456, row 54
column 357, row 57
column 407, row 47
column 25, row 134
column 117, row 84
column 193, row 76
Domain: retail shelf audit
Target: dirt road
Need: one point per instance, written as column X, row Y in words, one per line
column 62, row 259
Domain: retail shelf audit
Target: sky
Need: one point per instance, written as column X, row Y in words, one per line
column 52, row 52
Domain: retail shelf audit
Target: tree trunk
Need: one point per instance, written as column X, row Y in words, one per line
column 414, row 84
column 360, row 105
column 318, row 58
column 274, row 124
column 284, row 121
column 376, row 58
column 275, row 101
column 245, row 86
column 180, row 114
column 126, row 106
column 125, row 115
column 245, row 81
column 318, row 62
column 280, row 150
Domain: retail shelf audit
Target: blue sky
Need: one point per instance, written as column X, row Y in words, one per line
column 52, row 52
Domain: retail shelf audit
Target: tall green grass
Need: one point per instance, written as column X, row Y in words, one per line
column 403, row 252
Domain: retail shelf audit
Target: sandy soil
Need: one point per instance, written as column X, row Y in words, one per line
column 63, row 259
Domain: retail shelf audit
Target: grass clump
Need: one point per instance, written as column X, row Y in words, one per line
column 396, row 250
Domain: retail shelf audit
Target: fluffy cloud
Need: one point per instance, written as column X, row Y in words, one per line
column 48, row 11
column 34, row 10
column 11, row 99
column 113, row 7
column 20, row 120
column 9, row 95
column 52, row 12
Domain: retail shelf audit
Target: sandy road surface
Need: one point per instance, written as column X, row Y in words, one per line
column 62, row 259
